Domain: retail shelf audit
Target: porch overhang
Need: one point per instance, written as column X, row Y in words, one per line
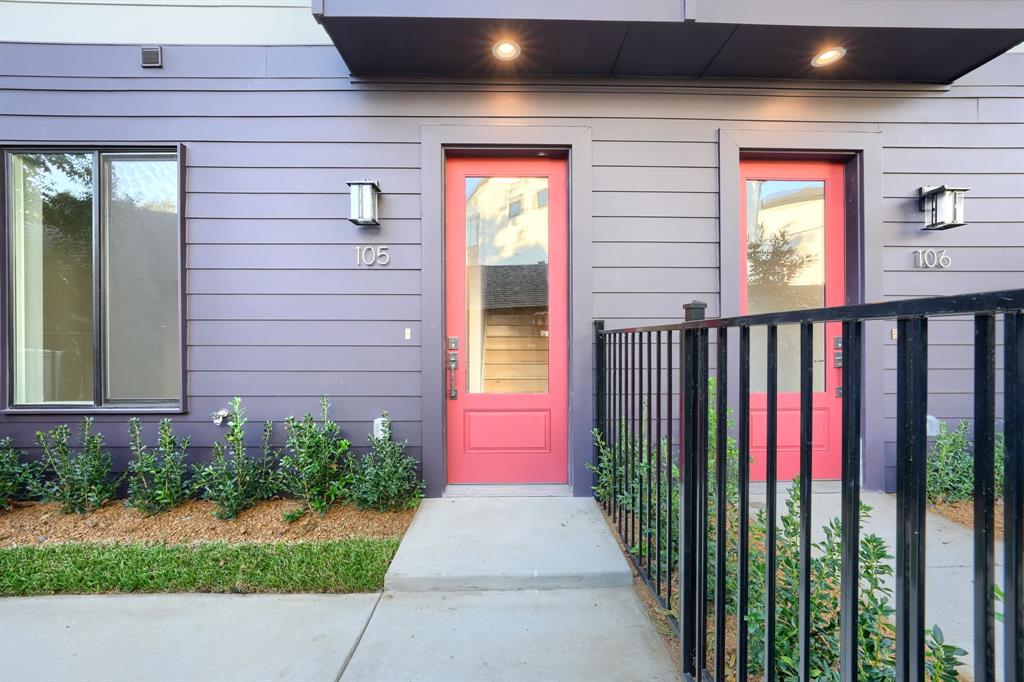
column 889, row 41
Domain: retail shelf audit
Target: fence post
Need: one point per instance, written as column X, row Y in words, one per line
column 694, row 310
column 601, row 388
column 690, row 414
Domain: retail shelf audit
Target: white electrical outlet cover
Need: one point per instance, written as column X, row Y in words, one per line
column 379, row 430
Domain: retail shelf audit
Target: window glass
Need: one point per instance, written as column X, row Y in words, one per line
column 140, row 238
column 785, row 271
column 76, row 240
column 506, row 286
column 52, row 247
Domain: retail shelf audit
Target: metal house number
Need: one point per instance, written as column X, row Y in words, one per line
column 932, row 259
column 372, row 255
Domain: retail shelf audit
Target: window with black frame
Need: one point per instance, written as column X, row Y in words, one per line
column 94, row 257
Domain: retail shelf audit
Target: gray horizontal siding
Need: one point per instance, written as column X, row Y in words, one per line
column 278, row 310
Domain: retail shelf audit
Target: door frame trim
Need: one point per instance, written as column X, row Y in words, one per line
column 861, row 151
column 436, row 141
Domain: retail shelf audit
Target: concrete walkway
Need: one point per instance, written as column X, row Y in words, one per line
column 481, row 589
column 510, row 589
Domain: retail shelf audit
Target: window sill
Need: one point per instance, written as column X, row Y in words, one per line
column 89, row 410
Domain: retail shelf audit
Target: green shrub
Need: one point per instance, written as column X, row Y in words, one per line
column 313, row 467
column 615, row 481
column 385, row 478
column 79, row 481
column 950, row 465
column 876, row 657
column 157, row 478
column 233, row 480
column 17, row 477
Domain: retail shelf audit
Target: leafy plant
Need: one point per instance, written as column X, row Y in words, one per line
column 624, row 460
column 157, row 478
column 385, row 478
column 950, row 465
column 17, row 477
column 233, row 480
column 313, row 467
column 80, row 481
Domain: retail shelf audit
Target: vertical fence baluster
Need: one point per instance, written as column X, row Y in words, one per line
column 1013, row 495
column 690, row 406
column 617, row 427
column 669, row 537
column 702, row 497
column 911, row 448
column 648, row 535
column 743, row 483
column 771, row 464
column 984, row 496
column 721, row 462
column 849, row 593
column 641, row 439
column 600, row 392
column 630, row 430
column 637, row 420
column 657, row 475
column 806, row 437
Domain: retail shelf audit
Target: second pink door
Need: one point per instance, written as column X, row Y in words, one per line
column 506, row 337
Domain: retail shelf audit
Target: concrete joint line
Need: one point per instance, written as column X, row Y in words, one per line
column 355, row 645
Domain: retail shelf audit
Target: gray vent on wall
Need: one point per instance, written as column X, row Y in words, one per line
column 152, row 58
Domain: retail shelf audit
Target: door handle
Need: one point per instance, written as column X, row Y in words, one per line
column 453, row 364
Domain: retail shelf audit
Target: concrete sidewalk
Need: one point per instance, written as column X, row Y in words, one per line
column 177, row 637
column 481, row 589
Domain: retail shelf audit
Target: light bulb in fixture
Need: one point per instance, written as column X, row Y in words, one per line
column 828, row 56
column 506, row 50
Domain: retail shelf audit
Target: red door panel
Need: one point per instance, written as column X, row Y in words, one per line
column 792, row 255
column 506, row 303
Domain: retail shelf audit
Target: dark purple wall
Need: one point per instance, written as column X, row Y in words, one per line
column 279, row 313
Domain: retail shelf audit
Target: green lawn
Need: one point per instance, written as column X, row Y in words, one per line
column 356, row 565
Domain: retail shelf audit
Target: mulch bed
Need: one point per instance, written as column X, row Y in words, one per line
column 38, row 524
column 963, row 513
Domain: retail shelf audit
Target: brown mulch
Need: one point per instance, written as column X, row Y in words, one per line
column 963, row 513
column 35, row 524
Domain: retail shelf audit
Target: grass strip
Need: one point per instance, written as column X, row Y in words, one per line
column 355, row 565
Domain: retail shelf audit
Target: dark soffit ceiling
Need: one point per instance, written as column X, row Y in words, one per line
column 461, row 46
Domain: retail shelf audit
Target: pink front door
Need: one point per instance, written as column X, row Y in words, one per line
column 792, row 256
column 506, row 303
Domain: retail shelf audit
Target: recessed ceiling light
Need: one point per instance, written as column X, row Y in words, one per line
column 828, row 56
column 506, row 50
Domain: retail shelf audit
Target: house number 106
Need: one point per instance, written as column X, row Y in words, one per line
column 372, row 255
column 932, row 258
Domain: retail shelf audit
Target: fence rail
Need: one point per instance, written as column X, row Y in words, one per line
column 665, row 479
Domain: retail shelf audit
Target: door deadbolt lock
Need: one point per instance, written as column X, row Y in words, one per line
column 838, row 359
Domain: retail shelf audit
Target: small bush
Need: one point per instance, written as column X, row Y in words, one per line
column 233, row 480
column 385, row 478
column 313, row 467
column 157, row 478
column 79, row 481
column 17, row 478
column 950, row 465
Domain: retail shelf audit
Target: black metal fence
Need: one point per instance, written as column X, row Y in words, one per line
column 663, row 477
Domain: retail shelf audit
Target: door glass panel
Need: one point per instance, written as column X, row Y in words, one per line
column 51, row 240
column 785, row 271
column 507, row 285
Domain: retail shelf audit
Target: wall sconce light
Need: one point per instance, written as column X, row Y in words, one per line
column 943, row 206
column 363, row 209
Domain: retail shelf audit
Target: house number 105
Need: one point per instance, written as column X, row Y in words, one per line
column 932, row 258
column 372, row 255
